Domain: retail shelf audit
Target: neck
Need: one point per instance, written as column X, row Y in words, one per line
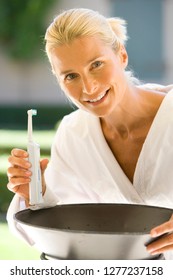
column 136, row 110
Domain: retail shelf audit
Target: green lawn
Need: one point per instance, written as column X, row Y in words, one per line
column 18, row 138
column 11, row 248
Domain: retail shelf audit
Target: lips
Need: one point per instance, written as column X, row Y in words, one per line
column 99, row 98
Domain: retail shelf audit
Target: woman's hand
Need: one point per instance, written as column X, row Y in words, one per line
column 19, row 174
column 164, row 243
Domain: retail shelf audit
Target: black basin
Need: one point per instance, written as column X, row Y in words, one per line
column 93, row 231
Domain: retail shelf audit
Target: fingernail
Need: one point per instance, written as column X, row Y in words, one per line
column 153, row 233
column 154, row 253
column 149, row 250
column 28, row 172
column 27, row 164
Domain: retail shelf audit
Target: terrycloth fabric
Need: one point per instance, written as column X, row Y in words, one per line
column 83, row 169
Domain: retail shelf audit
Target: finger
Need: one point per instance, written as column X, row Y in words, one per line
column 161, row 250
column 12, row 188
column 19, row 153
column 15, row 182
column 21, row 190
column 161, row 245
column 19, row 162
column 163, row 228
column 18, row 172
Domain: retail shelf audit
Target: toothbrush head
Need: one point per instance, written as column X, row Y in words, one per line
column 32, row 112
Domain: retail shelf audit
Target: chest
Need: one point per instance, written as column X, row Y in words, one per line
column 127, row 152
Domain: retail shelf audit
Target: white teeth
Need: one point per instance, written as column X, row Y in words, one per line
column 98, row 98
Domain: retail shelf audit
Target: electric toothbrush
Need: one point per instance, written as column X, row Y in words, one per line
column 33, row 148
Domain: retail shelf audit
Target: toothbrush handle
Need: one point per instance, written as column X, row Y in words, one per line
column 35, row 186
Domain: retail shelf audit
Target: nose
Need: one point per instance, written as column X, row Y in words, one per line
column 89, row 85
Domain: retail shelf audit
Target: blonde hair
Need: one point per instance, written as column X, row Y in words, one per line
column 75, row 23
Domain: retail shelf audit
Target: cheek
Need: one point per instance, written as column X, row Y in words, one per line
column 111, row 74
column 116, row 67
column 117, row 76
column 70, row 91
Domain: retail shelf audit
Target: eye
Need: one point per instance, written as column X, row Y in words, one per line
column 96, row 64
column 71, row 76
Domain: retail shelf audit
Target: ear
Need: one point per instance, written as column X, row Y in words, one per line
column 123, row 56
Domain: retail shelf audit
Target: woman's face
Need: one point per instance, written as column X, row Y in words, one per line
column 91, row 74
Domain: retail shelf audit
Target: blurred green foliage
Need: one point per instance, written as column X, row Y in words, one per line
column 5, row 195
column 23, row 27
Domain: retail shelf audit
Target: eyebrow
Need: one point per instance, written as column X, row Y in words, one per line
column 65, row 72
column 88, row 62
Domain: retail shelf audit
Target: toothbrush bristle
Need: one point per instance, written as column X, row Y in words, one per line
column 34, row 112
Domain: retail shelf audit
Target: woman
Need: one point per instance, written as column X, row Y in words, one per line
column 118, row 146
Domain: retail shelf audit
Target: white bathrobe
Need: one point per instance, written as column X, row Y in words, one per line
column 83, row 169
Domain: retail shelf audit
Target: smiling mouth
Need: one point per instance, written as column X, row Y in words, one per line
column 99, row 98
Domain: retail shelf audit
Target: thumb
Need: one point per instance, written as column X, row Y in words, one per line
column 43, row 164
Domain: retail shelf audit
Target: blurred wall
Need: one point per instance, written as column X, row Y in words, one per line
column 150, row 41
column 168, row 40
